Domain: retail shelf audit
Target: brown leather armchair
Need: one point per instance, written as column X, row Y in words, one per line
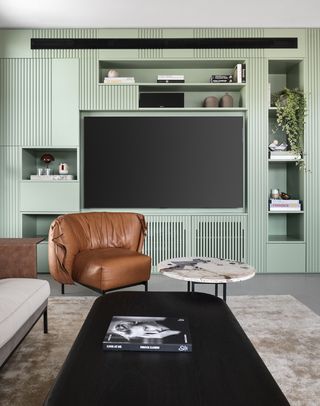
column 99, row 250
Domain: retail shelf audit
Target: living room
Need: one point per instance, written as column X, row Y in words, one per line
column 202, row 124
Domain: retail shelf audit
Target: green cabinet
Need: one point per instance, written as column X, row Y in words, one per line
column 286, row 258
column 38, row 196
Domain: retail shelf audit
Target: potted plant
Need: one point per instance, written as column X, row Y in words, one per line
column 290, row 113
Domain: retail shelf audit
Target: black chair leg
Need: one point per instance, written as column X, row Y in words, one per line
column 146, row 286
column 62, row 289
column 45, row 321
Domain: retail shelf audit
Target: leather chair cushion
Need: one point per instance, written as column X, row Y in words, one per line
column 109, row 268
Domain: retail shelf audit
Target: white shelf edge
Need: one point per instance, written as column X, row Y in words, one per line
column 219, row 109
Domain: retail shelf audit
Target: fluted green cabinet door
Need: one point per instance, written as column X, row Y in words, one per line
column 65, row 102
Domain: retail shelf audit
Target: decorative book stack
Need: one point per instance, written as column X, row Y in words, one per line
column 285, row 205
column 239, row 73
column 221, row 79
column 170, row 79
column 141, row 333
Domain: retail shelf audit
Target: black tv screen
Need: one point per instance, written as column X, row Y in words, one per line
column 164, row 162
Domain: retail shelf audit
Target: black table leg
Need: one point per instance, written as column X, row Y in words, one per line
column 224, row 292
column 216, row 286
column 188, row 286
column 192, row 286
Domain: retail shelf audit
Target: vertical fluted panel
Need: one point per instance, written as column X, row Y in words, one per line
column 88, row 85
column 227, row 33
column 312, row 151
column 150, row 33
column 220, row 236
column 9, row 192
column 25, row 102
column 257, row 167
column 61, row 33
column 166, row 237
column 118, row 97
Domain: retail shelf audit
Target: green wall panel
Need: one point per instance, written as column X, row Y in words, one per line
column 10, row 171
column 312, row 151
column 65, row 102
column 257, row 175
column 15, row 43
column 25, row 101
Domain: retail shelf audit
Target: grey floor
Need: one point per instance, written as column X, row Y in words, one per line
column 305, row 288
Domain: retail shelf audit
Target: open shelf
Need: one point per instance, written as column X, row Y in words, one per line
column 37, row 225
column 285, row 227
column 197, row 76
column 31, row 161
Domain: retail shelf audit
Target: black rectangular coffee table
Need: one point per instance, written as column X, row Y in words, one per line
column 223, row 368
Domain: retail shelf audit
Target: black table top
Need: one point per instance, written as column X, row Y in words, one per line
column 222, row 369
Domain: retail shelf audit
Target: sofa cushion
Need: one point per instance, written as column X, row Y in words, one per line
column 109, row 268
column 19, row 299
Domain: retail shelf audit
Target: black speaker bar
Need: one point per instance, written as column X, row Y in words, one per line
column 159, row 43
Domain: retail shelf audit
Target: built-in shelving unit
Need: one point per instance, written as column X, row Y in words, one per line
column 41, row 201
column 197, row 75
column 48, row 92
column 285, row 227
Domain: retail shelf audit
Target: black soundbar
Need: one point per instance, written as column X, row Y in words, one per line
column 158, row 43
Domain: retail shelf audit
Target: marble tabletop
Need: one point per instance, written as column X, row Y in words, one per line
column 206, row 270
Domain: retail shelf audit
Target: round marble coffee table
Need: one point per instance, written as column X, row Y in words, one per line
column 206, row 270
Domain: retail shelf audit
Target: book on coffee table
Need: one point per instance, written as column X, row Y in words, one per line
column 143, row 333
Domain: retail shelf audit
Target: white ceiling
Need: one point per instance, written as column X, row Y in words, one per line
column 164, row 13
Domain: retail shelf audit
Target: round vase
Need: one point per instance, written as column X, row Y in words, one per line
column 226, row 100
column 210, row 101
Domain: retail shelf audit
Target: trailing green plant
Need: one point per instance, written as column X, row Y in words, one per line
column 291, row 110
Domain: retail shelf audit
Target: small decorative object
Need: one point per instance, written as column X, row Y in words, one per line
column 226, row 100
column 112, row 73
column 274, row 146
column 40, row 171
column 47, row 158
column 48, row 171
column 210, row 101
column 284, row 196
column 63, row 168
column 275, row 194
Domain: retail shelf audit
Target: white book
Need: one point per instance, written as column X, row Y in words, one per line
column 237, row 73
column 282, row 201
column 118, row 80
column 285, row 157
column 285, row 208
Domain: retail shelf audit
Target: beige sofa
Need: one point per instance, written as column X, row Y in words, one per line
column 22, row 302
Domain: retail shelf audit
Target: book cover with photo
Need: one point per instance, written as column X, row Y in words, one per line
column 142, row 333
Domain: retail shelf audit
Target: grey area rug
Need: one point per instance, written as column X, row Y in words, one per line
column 284, row 331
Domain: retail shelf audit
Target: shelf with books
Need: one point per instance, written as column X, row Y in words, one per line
column 192, row 78
column 147, row 70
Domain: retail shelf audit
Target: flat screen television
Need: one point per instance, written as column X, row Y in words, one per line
column 164, row 162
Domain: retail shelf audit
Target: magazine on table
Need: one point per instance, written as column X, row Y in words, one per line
column 144, row 333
